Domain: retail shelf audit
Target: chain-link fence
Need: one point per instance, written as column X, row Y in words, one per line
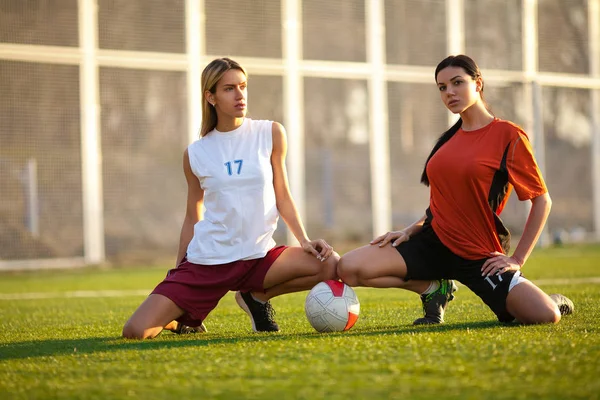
column 99, row 98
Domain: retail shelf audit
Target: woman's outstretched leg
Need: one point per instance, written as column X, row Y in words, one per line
column 384, row 267
column 296, row 270
column 378, row 267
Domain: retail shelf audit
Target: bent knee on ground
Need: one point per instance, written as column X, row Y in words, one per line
column 551, row 315
column 132, row 331
column 530, row 305
column 546, row 315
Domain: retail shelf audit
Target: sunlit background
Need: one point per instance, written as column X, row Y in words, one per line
column 99, row 99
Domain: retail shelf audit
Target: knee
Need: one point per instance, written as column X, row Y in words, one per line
column 131, row 331
column 347, row 271
column 552, row 315
column 547, row 315
column 329, row 270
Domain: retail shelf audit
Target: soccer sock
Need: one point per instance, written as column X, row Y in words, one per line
column 433, row 286
column 260, row 301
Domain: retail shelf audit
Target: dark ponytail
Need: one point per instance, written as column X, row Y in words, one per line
column 440, row 142
column 471, row 68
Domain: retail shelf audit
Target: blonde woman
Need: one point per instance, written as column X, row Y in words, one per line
column 237, row 171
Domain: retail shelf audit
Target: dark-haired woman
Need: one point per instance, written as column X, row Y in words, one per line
column 470, row 172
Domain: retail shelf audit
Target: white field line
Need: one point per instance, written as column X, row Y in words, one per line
column 125, row 293
column 75, row 294
column 567, row 281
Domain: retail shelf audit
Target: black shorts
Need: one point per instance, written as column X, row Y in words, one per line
column 427, row 258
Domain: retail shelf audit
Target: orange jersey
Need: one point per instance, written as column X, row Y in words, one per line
column 471, row 177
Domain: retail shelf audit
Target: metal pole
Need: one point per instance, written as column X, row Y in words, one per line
column 195, row 47
column 378, row 117
column 533, row 95
column 293, row 102
column 91, row 150
column 530, row 58
column 33, row 206
column 455, row 33
column 594, row 49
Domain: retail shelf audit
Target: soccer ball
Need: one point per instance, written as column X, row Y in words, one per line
column 332, row 306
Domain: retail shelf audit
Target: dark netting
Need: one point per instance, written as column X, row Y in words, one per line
column 415, row 32
column 265, row 101
column 494, row 42
column 243, row 28
column 42, row 22
column 143, row 25
column 563, row 36
column 40, row 161
column 567, row 130
column 144, row 135
column 334, row 30
column 338, row 203
column 506, row 101
column 413, row 126
column 144, row 113
column 265, row 97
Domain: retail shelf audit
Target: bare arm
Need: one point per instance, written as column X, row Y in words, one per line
column 195, row 198
column 538, row 214
column 285, row 202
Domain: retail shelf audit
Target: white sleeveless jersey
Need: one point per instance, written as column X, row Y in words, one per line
column 235, row 172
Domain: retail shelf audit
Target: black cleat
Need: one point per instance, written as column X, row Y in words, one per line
column 565, row 305
column 184, row 329
column 434, row 304
column 260, row 314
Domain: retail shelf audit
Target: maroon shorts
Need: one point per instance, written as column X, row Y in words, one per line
column 197, row 289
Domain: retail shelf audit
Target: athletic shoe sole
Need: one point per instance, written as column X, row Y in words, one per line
column 244, row 306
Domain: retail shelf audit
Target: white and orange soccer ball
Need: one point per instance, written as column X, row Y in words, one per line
column 332, row 306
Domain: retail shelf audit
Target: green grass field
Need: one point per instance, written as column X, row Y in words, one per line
column 59, row 340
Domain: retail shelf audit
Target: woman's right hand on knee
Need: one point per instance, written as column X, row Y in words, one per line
column 319, row 248
column 395, row 237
